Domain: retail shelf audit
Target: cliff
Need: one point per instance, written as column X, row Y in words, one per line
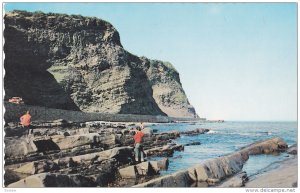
column 78, row 63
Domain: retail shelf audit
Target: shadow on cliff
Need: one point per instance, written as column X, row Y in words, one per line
column 140, row 91
column 26, row 73
column 37, row 88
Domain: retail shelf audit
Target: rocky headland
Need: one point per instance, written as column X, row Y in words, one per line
column 78, row 63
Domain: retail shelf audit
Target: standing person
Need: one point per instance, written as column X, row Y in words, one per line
column 138, row 149
column 142, row 125
column 25, row 122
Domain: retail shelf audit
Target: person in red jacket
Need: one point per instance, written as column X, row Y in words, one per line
column 138, row 148
column 25, row 121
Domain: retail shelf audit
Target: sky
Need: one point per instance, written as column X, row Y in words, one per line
column 237, row 61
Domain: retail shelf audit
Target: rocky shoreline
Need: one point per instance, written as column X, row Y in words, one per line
column 90, row 153
column 225, row 171
column 100, row 154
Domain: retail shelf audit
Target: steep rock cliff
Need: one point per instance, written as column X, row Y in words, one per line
column 78, row 63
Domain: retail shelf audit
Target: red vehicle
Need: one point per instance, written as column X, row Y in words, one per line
column 16, row 100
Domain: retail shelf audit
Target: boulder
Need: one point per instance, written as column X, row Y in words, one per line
column 18, row 147
column 126, row 140
column 107, row 174
column 219, row 168
column 216, row 169
column 154, row 165
column 163, row 164
column 53, row 180
column 121, row 154
column 146, row 169
column 128, row 172
column 159, row 151
column 11, row 176
column 160, row 164
column 108, row 140
column 270, row 146
column 293, row 150
column 193, row 174
column 141, row 169
column 69, row 142
column 182, row 179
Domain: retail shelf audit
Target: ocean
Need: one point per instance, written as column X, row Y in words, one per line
column 224, row 138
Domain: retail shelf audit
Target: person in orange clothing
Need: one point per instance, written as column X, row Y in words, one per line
column 138, row 148
column 25, row 121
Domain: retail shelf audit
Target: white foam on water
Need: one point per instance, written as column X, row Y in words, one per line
column 211, row 132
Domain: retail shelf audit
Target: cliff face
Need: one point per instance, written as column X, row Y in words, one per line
column 78, row 63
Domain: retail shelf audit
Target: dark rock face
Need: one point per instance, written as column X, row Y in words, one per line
column 78, row 63
column 10, row 176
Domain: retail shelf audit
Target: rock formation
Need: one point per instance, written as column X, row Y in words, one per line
column 210, row 172
column 53, row 180
column 271, row 146
column 213, row 171
column 101, row 151
column 78, row 63
column 293, row 150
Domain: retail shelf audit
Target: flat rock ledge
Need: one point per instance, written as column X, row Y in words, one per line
column 213, row 171
column 210, row 172
column 53, row 180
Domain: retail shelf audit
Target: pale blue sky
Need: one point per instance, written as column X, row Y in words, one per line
column 236, row 61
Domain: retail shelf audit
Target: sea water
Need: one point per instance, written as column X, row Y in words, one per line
column 227, row 137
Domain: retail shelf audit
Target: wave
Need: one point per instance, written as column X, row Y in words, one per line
column 211, row 132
